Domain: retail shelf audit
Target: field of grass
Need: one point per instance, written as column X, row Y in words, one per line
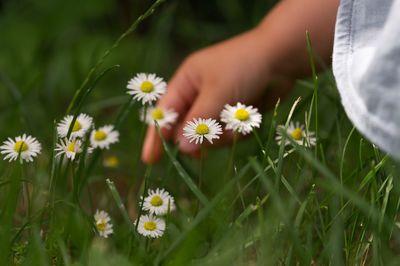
column 259, row 203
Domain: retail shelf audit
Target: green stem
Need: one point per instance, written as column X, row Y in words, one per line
column 231, row 166
column 232, row 155
column 123, row 112
column 138, row 180
column 142, row 132
column 260, row 144
column 146, row 177
column 181, row 171
column 25, row 189
column 201, row 171
column 240, row 194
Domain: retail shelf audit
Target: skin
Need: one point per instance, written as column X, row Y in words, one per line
column 271, row 55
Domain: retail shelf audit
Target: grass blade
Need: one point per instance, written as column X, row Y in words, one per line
column 181, row 171
column 120, row 205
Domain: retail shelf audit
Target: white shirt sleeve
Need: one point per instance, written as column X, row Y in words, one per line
column 366, row 65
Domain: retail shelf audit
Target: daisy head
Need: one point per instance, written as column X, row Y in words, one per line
column 200, row 128
column 158, row 202
column 297, row 133
column 103, row 137
column 146, row 88
column 151, row 226
column 24, row 147
column 81, row 125
column 164, row 117
column 102, row 222
column 241, row 118
column 70, row 148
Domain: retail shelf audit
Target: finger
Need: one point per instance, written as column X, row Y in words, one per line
column 180, row 94
column 152, row 147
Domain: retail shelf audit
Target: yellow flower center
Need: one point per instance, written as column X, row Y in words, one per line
column 150, row 226
column 297, row 133
column 77, row 126
column 156, row 201
column 100, row 135
column 157, row 114
column 20, row 145
column 71, row 146
column 242, row 114
column 202, row 129
column 101, row 225
column 111, row 161
column 147, row 87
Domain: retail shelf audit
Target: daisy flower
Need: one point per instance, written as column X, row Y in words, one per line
column 241, row 118
column 82, row 123
column 26, row 147
column 297, row 132
column 102, row 222
column 151, row 226
column 200, row 128
column 69, row 147
column 158, row 202
column 164, row 117
column 103, row 137
column 146, row 87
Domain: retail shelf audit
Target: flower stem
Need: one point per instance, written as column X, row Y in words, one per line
column 201, row 172
column 146, row 177
column 25, row 185
column 138, row 180
column 232, row 155
column 260, row 144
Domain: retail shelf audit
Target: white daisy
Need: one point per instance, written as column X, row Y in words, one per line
column 164, row 117
column 297, row 132
column 103, row 137
column 103, row 225
column 26, row 147
column 200, row 128
column 82, row 124
column 69, row 147
column 241, row 118
column 158, row 202
column 151, row 226
column 146, row 87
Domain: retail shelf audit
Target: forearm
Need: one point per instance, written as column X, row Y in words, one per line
column 283, row 33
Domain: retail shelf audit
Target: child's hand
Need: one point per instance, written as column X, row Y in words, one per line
column 232, row 71
column 238, row 70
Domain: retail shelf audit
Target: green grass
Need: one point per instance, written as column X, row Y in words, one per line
column 334, row 204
